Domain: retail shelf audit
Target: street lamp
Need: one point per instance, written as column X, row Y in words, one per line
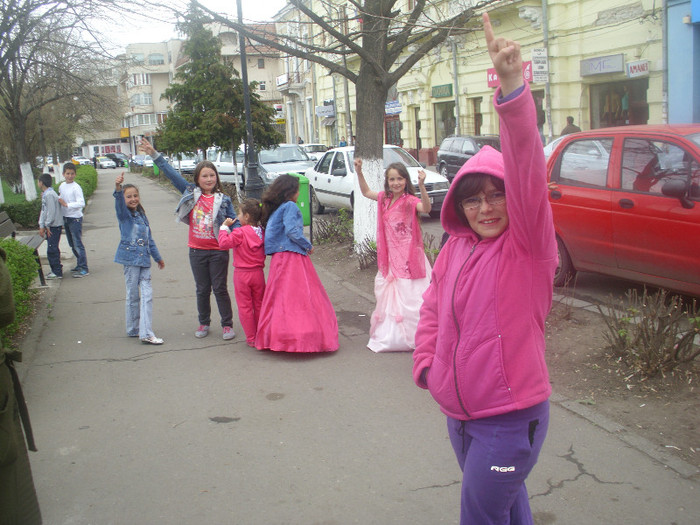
column 253, row 183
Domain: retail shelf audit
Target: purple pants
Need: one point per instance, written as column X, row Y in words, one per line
column 496, row 454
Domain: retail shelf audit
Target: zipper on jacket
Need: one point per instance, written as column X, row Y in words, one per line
column 459, row 332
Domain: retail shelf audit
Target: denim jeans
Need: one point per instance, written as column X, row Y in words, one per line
column 74, row 234
column 210, row 270
column 139, row 301
column 53, row 253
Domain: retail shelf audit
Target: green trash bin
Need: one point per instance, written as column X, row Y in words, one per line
column 304, row 200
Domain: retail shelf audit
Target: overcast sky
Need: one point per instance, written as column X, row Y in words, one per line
column 145, row 29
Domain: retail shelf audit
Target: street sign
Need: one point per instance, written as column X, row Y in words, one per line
column 540, row 65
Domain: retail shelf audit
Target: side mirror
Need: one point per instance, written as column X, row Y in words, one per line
column 339, row 172
column 678, row 189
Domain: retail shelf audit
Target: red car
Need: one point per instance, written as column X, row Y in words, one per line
column 626, row 203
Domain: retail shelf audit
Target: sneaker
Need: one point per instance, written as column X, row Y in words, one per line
column 52, row 276
column 228, row 333
column 73, row 270
column 81, row 273
column 202, row 331
column 152, row 340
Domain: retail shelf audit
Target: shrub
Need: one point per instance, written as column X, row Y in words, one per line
column 367, row 253
column 23, row 269
column 25, row 213
column 334, row 228
column 653, row 333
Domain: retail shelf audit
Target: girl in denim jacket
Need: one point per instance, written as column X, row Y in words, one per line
column 135, row 250
column 204, row 208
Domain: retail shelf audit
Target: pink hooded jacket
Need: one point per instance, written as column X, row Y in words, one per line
column 481, row 329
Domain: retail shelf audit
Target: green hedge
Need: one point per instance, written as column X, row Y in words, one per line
column 23, row 270
column 26, row 213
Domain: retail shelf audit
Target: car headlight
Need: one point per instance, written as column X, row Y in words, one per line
column 441, row 186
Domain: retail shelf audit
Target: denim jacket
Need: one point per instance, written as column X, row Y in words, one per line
column 285, row 231
column 136, row 246
column 223, row 207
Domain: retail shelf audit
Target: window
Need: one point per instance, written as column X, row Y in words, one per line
column 156, row 59
column 141, row 99
column 585, row 162
column 338, row 164
column 141, row 79
column 261, row 63
column 261, row 86
column 137, row 57
column 325, row 163
column 648, row 164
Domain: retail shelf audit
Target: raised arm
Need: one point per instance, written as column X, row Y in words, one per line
column 506, row 58
column 364, row 187
column 424, row 206
column 119, row 203
column 178, row 180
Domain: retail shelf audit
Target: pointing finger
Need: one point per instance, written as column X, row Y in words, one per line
column 488, row 30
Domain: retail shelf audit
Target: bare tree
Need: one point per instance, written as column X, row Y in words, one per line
column 380, row 45
column 44, row 59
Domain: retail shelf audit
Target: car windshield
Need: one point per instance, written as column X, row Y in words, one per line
column 392, row 155
column 282, row 154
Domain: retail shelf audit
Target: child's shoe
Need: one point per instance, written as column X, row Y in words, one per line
column 52, row 276
column 202, row 331
column 228, row 333
column 81, row 273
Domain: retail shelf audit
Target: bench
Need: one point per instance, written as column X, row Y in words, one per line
column 7, row 229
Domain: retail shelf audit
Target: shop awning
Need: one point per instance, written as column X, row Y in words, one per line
column 328, row 121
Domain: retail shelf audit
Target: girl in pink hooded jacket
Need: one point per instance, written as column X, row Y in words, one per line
column 480, row 341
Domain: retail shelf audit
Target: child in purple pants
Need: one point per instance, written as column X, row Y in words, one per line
column 480, row 339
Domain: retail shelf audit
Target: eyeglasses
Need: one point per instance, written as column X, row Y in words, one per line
column 472, row 203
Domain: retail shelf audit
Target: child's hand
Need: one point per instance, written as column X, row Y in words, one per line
column 161, row 264
column 43, row 231
column 62, row 203
column 146, row 146
column 421, row 177
column 506, row 58
column 120, row 180
column 310, row 251
column 358, row 164
column 228, row 222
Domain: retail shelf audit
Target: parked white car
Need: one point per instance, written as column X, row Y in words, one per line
column 187, row 163
column 315, row 151
column 332, row 179
column 227, row 171
column 105, row 162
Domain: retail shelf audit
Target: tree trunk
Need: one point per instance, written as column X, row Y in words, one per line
column 24, row 166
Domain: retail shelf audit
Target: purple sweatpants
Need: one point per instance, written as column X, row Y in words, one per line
column 496, row 454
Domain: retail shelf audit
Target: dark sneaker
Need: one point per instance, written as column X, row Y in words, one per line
column 81, row 273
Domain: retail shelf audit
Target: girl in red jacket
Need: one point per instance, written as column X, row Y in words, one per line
column 480, row 339
column 248, row 247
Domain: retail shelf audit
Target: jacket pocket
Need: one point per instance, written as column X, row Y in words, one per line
column 480, row 376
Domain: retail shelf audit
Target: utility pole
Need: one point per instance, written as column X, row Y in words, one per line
column 253, row 183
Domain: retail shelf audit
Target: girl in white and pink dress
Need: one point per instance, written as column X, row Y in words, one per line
column 404, row 270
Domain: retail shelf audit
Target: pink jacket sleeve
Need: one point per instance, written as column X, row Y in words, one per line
column 228, row 240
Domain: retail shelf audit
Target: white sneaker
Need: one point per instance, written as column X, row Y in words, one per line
column 52, row 276
column 152, row 340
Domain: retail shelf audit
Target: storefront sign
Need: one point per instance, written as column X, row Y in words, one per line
column 442, row 91
column 325, row 111
column 638, row 68
column 393, row 107
column 282, row 80
column 492, row 77
column 603, row 65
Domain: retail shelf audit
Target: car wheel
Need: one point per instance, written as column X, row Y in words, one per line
column 443, row 171
column 565, row 269
column 316, row 206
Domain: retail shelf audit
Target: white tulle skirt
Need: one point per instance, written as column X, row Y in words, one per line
column 395, row 318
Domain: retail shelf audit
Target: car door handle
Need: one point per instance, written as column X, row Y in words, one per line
column 555, row 194
column 626, row 204
column 329, row 181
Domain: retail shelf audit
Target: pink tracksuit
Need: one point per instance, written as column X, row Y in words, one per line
column 247, row 243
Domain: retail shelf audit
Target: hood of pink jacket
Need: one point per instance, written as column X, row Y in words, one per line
column 488, row 161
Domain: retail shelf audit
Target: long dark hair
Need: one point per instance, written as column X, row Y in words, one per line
column 139, row 208
column 471, row 185
column 279, row 192
column 207, row 164
column 401, row 170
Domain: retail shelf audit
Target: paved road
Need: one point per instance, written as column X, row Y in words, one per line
column 213, row 432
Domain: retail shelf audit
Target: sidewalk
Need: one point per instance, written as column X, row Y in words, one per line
column 203, row 431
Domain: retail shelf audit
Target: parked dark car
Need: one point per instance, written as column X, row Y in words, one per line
column 626, row 203
column 455, row 150
column 119, row 159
